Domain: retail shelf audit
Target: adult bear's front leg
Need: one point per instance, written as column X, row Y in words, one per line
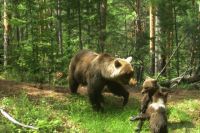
column 95, row 87
column 73, row 84
column 95, row 99
column 118, row 90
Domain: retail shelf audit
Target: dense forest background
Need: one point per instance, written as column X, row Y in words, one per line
column 40, row 37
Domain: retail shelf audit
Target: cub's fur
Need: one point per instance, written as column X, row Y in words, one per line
column 149, row 87
column 156, row 113
column 99, row 70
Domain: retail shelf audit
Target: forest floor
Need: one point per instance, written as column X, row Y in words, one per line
column 10, row 88
column 175, row 100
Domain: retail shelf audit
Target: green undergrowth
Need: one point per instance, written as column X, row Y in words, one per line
column 74, row 114
column 184, row 116
column 36, row 112
column 188, row 86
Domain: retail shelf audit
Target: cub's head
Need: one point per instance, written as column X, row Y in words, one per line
column 160, row 97
column 149, row 86
column 122, row 70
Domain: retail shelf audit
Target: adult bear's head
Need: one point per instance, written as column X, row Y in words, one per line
column 118, row 69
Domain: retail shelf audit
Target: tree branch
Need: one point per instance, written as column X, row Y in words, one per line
column 10, row 118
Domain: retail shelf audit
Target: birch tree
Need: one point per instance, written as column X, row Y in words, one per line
column 152, row 36
column 6, row 30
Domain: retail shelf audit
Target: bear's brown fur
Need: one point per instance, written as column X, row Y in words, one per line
column 156, row 113
column 98, row 70
column 149, row 87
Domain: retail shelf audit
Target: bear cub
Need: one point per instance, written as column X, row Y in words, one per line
column 97, row 71
column 149, row 88
column 156, row 113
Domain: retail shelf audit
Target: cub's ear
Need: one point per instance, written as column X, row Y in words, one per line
column 165, row 94
column 117, row 64
column 154, row 81
column 129, row 59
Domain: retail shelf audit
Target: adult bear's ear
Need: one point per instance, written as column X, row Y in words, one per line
column 147, row 78
column 117, row 63
column 129, row 59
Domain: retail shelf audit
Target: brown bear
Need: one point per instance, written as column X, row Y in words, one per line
column 149, row 88
column 97, row 71
column 156, row 113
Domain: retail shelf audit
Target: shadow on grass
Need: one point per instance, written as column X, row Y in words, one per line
column 115, row 104
column 180, row 125
column 80, row 103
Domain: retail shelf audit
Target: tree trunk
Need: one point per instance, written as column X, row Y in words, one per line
column 140, row 40
column 79, row 25
column 138, row 29
column 6, row 30
column 102, row 35
column 88, row 23
column 126, row 36
column 157, row 46
column 152, row 37
column 170, row 35
column 176, row 41
column 17, row 15
column 59, row 30
column 68, row 25
column 199, row 8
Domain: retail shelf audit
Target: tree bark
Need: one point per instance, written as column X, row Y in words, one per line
column 152, row 37
column 59, row 30
column 88, row 23
column 176, row 41
column 6, row 30
column 140, row 39
column 18, row 36
column 102, row 35
column 68, row 25
column 157, row 45
column 79, row 25
column 138, row 23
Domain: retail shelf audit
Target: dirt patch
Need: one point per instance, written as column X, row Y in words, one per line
column 176, row 96
column 12, row 88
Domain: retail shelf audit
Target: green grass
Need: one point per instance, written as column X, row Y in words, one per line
column 113, row 119
column 74, row 114
column 184, row 116
column 36, row 112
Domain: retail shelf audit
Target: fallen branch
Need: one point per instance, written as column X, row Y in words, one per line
column 176, row 81
column 182, row 79
column 172, row 55
column 195, row 85
column 10, row 118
